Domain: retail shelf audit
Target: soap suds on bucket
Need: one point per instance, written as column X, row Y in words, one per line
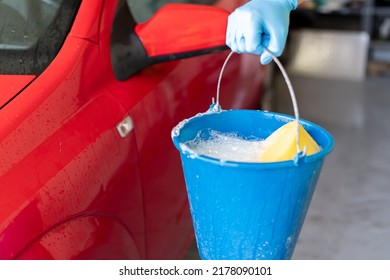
column 225, row 146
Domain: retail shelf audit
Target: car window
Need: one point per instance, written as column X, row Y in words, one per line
column 23, row 20
column 142, row 10
column 31, row 33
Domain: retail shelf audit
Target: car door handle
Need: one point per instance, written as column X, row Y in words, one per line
column 125, row 126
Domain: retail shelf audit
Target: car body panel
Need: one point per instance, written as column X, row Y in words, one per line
column 12, row 85
column 90, row 237
column 86, row 26
column 61, row 154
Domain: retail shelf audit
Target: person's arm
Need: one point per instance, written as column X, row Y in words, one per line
column 258, row 24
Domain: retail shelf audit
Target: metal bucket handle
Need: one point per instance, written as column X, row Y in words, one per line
column 216, row 107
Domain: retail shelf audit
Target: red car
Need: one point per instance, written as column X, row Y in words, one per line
column 89, row 93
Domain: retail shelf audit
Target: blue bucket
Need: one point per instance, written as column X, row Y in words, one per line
column 248, row 210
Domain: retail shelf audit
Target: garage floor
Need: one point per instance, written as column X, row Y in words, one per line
column 349, row 217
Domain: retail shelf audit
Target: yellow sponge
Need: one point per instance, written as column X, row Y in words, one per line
column 282, row 144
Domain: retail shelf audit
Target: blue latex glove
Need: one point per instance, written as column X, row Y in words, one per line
column 259, row 24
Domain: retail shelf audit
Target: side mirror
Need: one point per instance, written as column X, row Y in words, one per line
column 176, row 31
column 183, row 28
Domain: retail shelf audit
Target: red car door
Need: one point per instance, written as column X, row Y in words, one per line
column 157, row 98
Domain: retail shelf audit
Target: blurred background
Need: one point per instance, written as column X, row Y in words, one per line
column 338, row 56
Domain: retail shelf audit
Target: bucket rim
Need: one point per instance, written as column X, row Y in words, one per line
column 319, row 156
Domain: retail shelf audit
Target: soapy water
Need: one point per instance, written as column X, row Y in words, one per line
column 225, row 146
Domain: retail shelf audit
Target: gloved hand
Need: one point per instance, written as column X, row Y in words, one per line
column 259, row 24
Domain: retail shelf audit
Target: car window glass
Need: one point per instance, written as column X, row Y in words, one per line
column 142, row 10
column 22, row 21
column 32, row 32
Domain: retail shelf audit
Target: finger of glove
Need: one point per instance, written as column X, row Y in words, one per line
column 265, row 57
column 253, row 39
column 242, row 33
column 275, row 44
column 231, row 31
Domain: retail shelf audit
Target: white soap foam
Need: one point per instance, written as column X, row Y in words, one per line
column 225, row 146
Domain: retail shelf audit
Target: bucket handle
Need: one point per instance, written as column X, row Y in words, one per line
column 300, row 153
